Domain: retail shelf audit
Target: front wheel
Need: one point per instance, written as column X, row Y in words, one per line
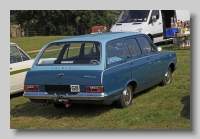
column 126, row 97
column 167, row 79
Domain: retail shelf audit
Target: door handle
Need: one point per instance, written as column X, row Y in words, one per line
column 10, row 68
column 148, row 58
column 132, row 62
column 159, row 23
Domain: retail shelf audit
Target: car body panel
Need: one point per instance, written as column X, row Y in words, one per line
column 18, row 71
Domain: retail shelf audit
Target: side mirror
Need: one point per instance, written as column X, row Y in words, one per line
column 159, row 49
column 154, row 18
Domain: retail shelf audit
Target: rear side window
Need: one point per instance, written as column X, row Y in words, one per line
column 145, row 45
column 71, row 53
column 115, row 52
column 133, row 47
column 14, row 55
column 24, row 56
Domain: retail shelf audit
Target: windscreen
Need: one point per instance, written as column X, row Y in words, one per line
column 71, row 53
column 128, row 16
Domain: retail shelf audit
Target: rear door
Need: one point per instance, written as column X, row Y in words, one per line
column 138, row 64
column 65, row 64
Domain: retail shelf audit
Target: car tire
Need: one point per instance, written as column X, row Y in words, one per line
column 58, row 105
column 126, row 97
column 167, row 79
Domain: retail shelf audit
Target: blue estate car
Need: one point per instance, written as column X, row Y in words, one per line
column 97, row 68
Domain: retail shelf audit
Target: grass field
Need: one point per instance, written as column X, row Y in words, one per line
column 159, row 107
column 35, row 43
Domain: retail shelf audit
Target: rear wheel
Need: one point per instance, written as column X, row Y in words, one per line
column 167, row 79
column 126, row 97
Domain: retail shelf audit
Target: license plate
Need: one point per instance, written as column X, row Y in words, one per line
column 75, row 88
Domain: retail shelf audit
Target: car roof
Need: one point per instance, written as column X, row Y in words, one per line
column 11, row 43
column 100, row 37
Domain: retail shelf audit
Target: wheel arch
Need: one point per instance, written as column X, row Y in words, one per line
column 172, row 66
column 133, row 84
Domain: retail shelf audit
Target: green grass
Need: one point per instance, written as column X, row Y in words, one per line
column 159, row 107
column 32, row 45
column 35, row 43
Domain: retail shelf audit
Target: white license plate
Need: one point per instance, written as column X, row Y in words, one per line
column 75, row 88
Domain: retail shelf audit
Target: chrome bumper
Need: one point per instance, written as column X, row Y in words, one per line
column 78, row 96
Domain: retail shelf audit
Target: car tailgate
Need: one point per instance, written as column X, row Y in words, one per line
column 63, row 78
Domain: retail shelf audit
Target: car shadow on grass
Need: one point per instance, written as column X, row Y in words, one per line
column 186, row 108
column 31, row 109
column 16, row 95
column 144, row 91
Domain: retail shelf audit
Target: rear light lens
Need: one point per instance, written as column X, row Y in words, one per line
column 94, row 89
column 31, row 88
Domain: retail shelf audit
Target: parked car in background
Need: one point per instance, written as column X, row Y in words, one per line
column 150, row 22
column 97, row 68
column 20, row 63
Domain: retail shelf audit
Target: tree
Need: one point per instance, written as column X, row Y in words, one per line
column 64, row 22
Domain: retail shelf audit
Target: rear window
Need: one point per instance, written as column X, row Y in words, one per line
column 71, row 53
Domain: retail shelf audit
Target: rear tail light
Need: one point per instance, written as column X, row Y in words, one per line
column 94, row 89
column 31, row 88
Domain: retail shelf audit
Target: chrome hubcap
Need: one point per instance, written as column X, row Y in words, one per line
column 167, row 77
column 127, row 96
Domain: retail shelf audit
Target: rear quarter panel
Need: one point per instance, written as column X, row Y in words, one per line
column 115, row 78
column 167, row 59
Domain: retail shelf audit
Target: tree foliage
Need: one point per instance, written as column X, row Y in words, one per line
column 64, row 22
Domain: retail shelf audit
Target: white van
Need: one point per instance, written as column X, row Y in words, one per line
column 150, row 22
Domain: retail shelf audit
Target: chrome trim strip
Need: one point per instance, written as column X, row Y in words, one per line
column 102, row 77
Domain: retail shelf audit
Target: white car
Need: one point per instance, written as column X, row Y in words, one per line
column 20, row 63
